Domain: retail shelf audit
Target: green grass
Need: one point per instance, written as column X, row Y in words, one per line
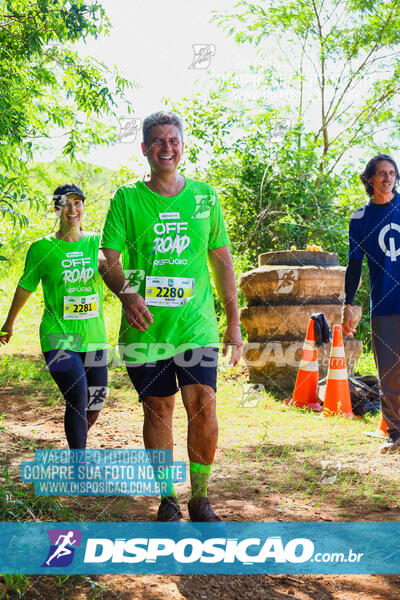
column 303, row 472
column 14, row 586
column 20, row 368
column 18, row 502
column 290, row 453
column 28, row 444
column 365, row 365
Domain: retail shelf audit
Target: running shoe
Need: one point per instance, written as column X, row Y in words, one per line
column 201, row 511
column 390, row 446
column 169, row 510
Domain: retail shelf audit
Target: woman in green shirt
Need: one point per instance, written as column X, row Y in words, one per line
column 72, row 331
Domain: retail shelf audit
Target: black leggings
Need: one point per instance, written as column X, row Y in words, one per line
column 82, row 379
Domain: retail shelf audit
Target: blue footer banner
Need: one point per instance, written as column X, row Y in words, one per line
column 183, row 548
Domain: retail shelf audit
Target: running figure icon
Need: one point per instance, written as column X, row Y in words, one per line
column 62, row 549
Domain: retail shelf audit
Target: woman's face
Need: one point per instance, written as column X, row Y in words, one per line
column 385, row 177
column 72, row 212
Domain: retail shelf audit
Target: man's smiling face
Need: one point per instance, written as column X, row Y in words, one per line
column 164, row 149
column 385, row 177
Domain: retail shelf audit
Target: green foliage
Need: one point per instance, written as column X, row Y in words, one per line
column 96, row 184
column 365, row 365
column 342, row 63
column 280, row 165
column 45, row 85
column 267, row 172
column 275, row 196
column 122, row 176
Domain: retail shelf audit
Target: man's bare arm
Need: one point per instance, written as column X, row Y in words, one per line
column 134, row 306
column 224, row 277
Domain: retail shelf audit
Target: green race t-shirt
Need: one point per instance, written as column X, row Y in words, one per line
column 72, row 290
column 164, row 244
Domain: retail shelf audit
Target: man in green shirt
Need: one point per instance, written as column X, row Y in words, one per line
column 165, row 229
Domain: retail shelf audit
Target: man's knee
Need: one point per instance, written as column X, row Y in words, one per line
column 157, row 409
column 202, row 406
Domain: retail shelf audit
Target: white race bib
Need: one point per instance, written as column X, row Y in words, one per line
column 168, row 291
column 81, row 307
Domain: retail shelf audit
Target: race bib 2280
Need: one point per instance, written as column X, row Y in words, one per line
column 168, row 291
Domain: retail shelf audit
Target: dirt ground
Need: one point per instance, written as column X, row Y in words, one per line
column 222, row 587
column 31, row 424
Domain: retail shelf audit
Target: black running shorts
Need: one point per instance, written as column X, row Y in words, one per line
column 159, row 378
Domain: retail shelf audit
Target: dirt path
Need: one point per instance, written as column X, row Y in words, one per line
column 31, row 423
column 220, row 587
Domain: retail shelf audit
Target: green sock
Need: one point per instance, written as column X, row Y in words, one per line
column 199, row 476
column 166, row 479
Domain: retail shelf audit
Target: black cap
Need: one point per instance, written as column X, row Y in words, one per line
column 63, row 190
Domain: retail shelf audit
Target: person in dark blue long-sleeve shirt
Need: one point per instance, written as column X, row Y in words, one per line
column 374, row 232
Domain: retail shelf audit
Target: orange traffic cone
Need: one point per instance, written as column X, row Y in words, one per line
column 305, row 388
column 337, row 395
column 380, row 431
